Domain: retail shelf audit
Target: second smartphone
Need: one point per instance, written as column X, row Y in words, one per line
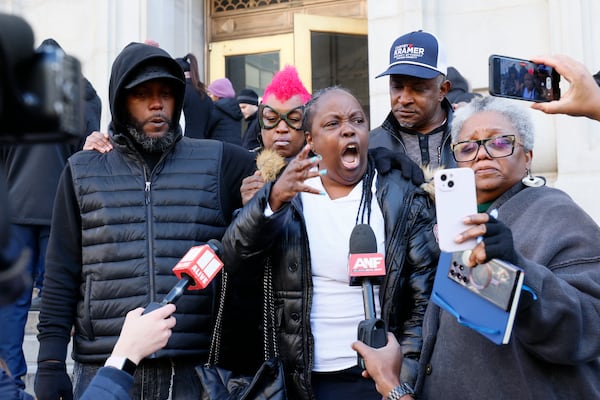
column 521, row 79
column 455, row 199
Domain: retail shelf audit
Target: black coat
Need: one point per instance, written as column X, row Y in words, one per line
column 197, row 110
column 226, row 121
column 251, row 140
column 411, row 258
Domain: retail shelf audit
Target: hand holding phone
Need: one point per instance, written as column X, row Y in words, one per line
column 521, row 79
column 455, row 199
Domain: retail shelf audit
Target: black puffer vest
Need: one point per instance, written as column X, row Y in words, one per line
column 131, row 241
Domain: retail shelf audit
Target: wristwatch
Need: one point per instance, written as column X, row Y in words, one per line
column 122, row 363
column 399, row 391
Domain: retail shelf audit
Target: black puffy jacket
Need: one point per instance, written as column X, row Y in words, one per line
column 411, row 257
column 119, row 227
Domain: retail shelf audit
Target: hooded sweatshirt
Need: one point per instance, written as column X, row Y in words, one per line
column 122, row 224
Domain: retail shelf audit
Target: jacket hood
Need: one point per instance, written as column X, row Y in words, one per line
column 133, row 57
column 460, row 87
column 231, row 107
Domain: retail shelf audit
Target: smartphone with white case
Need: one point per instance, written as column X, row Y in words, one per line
column 455, row 199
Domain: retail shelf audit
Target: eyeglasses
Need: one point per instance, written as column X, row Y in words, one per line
column 495, row 147
column 270, row 118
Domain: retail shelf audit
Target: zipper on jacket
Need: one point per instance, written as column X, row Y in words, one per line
column 149, row 235
column 147, row 192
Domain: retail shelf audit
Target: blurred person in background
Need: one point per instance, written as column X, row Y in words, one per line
column 248, row 100
column 197, row 106
column 32, row 173
column 226, row 118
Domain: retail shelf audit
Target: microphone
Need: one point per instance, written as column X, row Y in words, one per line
column 195, row 271
column 364, row 263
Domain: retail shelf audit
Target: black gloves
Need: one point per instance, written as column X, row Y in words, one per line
column 498, row 242
column 52, row 381
column 385, row 160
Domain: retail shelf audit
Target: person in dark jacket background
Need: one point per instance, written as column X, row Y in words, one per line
column 248, row 100
column 459, row 93
column 32, row 172
column 226, row 118
column 125, row 218
column 303, row 221
column 197, row 106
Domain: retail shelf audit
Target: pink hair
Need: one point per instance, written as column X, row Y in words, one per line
column 286, row 84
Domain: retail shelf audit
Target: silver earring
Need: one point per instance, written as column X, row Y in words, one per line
column 533, row 181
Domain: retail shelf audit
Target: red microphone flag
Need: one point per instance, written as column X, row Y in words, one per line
column 201, row 264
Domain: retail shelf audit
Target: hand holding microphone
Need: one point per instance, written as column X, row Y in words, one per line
column 364, row 264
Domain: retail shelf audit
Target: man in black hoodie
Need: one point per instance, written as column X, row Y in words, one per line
column 123, row 220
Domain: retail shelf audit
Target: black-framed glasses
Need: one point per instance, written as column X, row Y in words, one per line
column 269, row 118
column 495, row 147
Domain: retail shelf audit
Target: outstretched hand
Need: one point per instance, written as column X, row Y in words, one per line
column 291, row 181
column 582, row 97
column 144, row 334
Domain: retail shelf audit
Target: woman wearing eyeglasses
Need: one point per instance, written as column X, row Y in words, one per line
column 303, row 222
column 554, row 351
column 280, row 121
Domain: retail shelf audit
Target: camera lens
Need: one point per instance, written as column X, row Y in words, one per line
column 481, row 276
column 450, row 184
column 443, row 177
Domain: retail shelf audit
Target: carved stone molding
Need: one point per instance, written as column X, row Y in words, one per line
column 231, row 19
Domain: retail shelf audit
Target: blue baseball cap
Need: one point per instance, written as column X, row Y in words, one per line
column 417, row 54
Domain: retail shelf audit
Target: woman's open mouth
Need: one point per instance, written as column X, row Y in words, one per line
column 350, row 157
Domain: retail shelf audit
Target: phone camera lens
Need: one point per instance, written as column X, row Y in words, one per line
column 450, row 184
column 443, row 177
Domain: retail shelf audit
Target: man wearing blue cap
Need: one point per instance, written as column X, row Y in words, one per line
column 419, row 121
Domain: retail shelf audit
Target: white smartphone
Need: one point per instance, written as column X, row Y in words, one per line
column 455, row 199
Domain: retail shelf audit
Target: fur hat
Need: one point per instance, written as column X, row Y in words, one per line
column 222, row 88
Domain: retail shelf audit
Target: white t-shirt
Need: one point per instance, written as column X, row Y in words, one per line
column 337, row 308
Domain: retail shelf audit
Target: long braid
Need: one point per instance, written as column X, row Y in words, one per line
column 367, row 194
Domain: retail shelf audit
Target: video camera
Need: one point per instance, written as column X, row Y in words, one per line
column 41, row 100
column 41, row 91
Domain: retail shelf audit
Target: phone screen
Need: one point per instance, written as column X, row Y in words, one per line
column 516, row 78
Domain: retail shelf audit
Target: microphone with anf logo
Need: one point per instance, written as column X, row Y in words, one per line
column 364, row 264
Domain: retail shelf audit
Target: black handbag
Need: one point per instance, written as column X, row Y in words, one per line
column 269, row 381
